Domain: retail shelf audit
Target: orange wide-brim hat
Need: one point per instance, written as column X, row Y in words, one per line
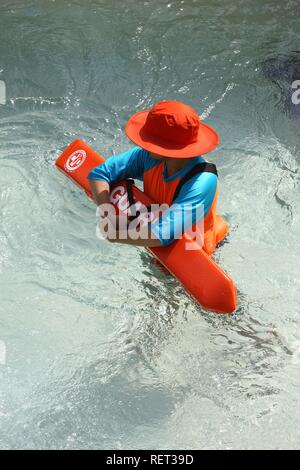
column 171, row 129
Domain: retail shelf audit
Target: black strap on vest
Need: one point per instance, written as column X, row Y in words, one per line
column 129, row 183
column 204, row 167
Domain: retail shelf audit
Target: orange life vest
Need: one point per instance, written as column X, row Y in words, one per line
column 161, row 191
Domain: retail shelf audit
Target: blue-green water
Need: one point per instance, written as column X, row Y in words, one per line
column 103, row 351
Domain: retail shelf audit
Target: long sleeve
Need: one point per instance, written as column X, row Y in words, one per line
column 130, row 164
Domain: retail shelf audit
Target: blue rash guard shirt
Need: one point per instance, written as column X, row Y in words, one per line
column 194, row 199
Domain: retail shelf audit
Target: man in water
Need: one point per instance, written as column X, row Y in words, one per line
column 170, row 140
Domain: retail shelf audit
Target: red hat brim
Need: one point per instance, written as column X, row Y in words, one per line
column 207, row 139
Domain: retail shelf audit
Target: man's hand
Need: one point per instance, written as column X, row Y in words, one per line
column 128, row 237
column 100, row 191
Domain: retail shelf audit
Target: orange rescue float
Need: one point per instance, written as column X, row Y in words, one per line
column 197, row 272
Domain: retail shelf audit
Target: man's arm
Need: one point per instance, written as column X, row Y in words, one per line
column 100, row 191
column 114, row 169
column 130, row 164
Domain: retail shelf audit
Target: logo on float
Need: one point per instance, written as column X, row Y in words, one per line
column 75, row 160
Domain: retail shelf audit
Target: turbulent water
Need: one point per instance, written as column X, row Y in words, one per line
column 98, row 349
